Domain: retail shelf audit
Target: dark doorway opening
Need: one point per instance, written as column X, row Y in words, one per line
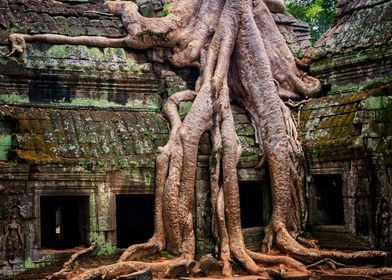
column 328, row 200
column 255, row 203
column 134, row 218
column 64, row 221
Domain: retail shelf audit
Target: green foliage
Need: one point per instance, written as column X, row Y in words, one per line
column 28, row 264
column 13, row 99
column 42, row 262
column 15, row 30
column 165, row 254
column 319, row 14
column 104, row 248
column 165, row 10
column 236, row 266
column 203, row 246
column 185, row 107
column 93, row 102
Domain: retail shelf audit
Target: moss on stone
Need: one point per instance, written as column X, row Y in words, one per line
column 184, row 108
column 93, row 102
column 152, row 104
column 13, row 99
column 360, row 87
column 351, row 121
column 372, row 103
column 93, row 211
column 82, row 58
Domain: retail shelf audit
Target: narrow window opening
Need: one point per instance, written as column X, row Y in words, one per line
column 64, row 221
column 134, row 219
column 328, row 201
column 255, row 203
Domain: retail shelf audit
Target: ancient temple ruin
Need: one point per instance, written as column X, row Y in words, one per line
column 80, row 127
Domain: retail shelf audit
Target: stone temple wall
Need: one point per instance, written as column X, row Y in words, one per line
column 346, row 133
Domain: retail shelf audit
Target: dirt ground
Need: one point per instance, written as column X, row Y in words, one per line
column 321, row 273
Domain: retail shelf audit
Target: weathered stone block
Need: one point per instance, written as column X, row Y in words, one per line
column 241, row 118
column 210, row 266
column 372, row 103
column 245, row 130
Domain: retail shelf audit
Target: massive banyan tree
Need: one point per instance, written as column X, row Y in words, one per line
column 243, row 58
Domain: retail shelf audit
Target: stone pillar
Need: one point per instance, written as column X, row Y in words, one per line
column 106, row 212
column 350, row 183
column 203, row 233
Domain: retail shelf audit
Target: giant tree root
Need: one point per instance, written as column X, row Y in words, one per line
column 67, row 266
column 331, row 263
column 288, row 244
column 375, row 272
column 122, row 268
column 242, row 57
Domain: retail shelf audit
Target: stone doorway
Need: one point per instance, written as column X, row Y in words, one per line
column 134, row 219
column 64, row 221
column 255, row 203
column 327, row 200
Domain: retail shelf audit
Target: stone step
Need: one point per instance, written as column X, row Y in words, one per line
column 338, row 240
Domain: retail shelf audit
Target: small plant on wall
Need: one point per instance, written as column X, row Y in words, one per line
column 104, row 248
column 165, row 10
